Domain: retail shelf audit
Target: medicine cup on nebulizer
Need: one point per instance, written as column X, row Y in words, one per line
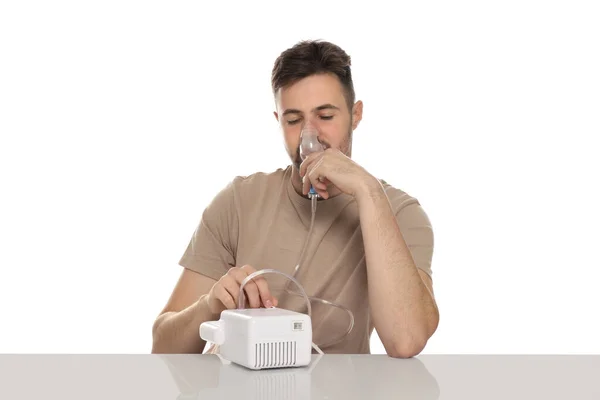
column 309, row 143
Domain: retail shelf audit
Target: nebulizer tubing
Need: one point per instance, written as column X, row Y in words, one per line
column 309, row 144
column 316, row 299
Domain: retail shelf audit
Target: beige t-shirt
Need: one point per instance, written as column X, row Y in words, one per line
column 260, row 220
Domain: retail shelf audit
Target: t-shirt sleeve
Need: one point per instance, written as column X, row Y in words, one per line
column 212, row 248
column 418, row 234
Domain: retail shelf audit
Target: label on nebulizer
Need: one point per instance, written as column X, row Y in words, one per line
column 297, row 326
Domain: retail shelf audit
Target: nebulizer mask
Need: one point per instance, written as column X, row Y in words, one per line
column 275, row 338
column 310, row 143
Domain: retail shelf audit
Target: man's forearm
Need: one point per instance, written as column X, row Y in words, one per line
column 177, row 332
column 403, row 310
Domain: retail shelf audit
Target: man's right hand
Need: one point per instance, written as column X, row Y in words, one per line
column 226, row 291
column 198, row 298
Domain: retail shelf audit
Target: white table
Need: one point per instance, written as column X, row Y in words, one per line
column 361, row 377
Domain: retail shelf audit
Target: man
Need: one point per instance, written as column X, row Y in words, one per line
column 370, row 249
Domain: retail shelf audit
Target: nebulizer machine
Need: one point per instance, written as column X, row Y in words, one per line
column 267, row 338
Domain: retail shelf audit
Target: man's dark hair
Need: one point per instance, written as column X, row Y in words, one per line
column 310, row 57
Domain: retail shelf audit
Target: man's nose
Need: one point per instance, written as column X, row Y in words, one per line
column 309, row 124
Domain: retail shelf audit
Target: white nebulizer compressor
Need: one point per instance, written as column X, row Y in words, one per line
column 262, row 338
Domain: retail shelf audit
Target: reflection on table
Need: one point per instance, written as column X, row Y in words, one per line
column 328, row 376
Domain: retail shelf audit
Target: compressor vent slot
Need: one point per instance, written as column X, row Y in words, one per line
column 275, row 354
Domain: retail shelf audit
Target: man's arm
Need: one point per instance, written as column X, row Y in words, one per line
column 401, row 298
column 176, row 328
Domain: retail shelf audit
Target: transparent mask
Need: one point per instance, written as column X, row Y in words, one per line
column 310, row 143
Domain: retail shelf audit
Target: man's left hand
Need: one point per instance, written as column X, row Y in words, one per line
column 332, row 167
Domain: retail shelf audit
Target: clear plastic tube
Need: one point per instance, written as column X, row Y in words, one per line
column 242, row 296
column 316, row 299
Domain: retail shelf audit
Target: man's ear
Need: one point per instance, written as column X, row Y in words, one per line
column 357, row 112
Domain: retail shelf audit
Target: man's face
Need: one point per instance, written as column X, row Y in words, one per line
column 318, row 99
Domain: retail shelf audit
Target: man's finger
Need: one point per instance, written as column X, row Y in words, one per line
column 312, row 176
column 321, row 186
column 248, row 269
column 250, row 288
column 323, row 193
column 230, row 284
column 226, row 298
column 306, row 179
column 265, row 293
column 263, row 287
column 308, row 161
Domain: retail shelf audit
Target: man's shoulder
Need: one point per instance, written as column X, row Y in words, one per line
column 259, row 181
column 399, row 198
column 254, row 187
column 408, row 210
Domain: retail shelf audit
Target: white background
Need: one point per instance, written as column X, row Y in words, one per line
column 120, row 121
